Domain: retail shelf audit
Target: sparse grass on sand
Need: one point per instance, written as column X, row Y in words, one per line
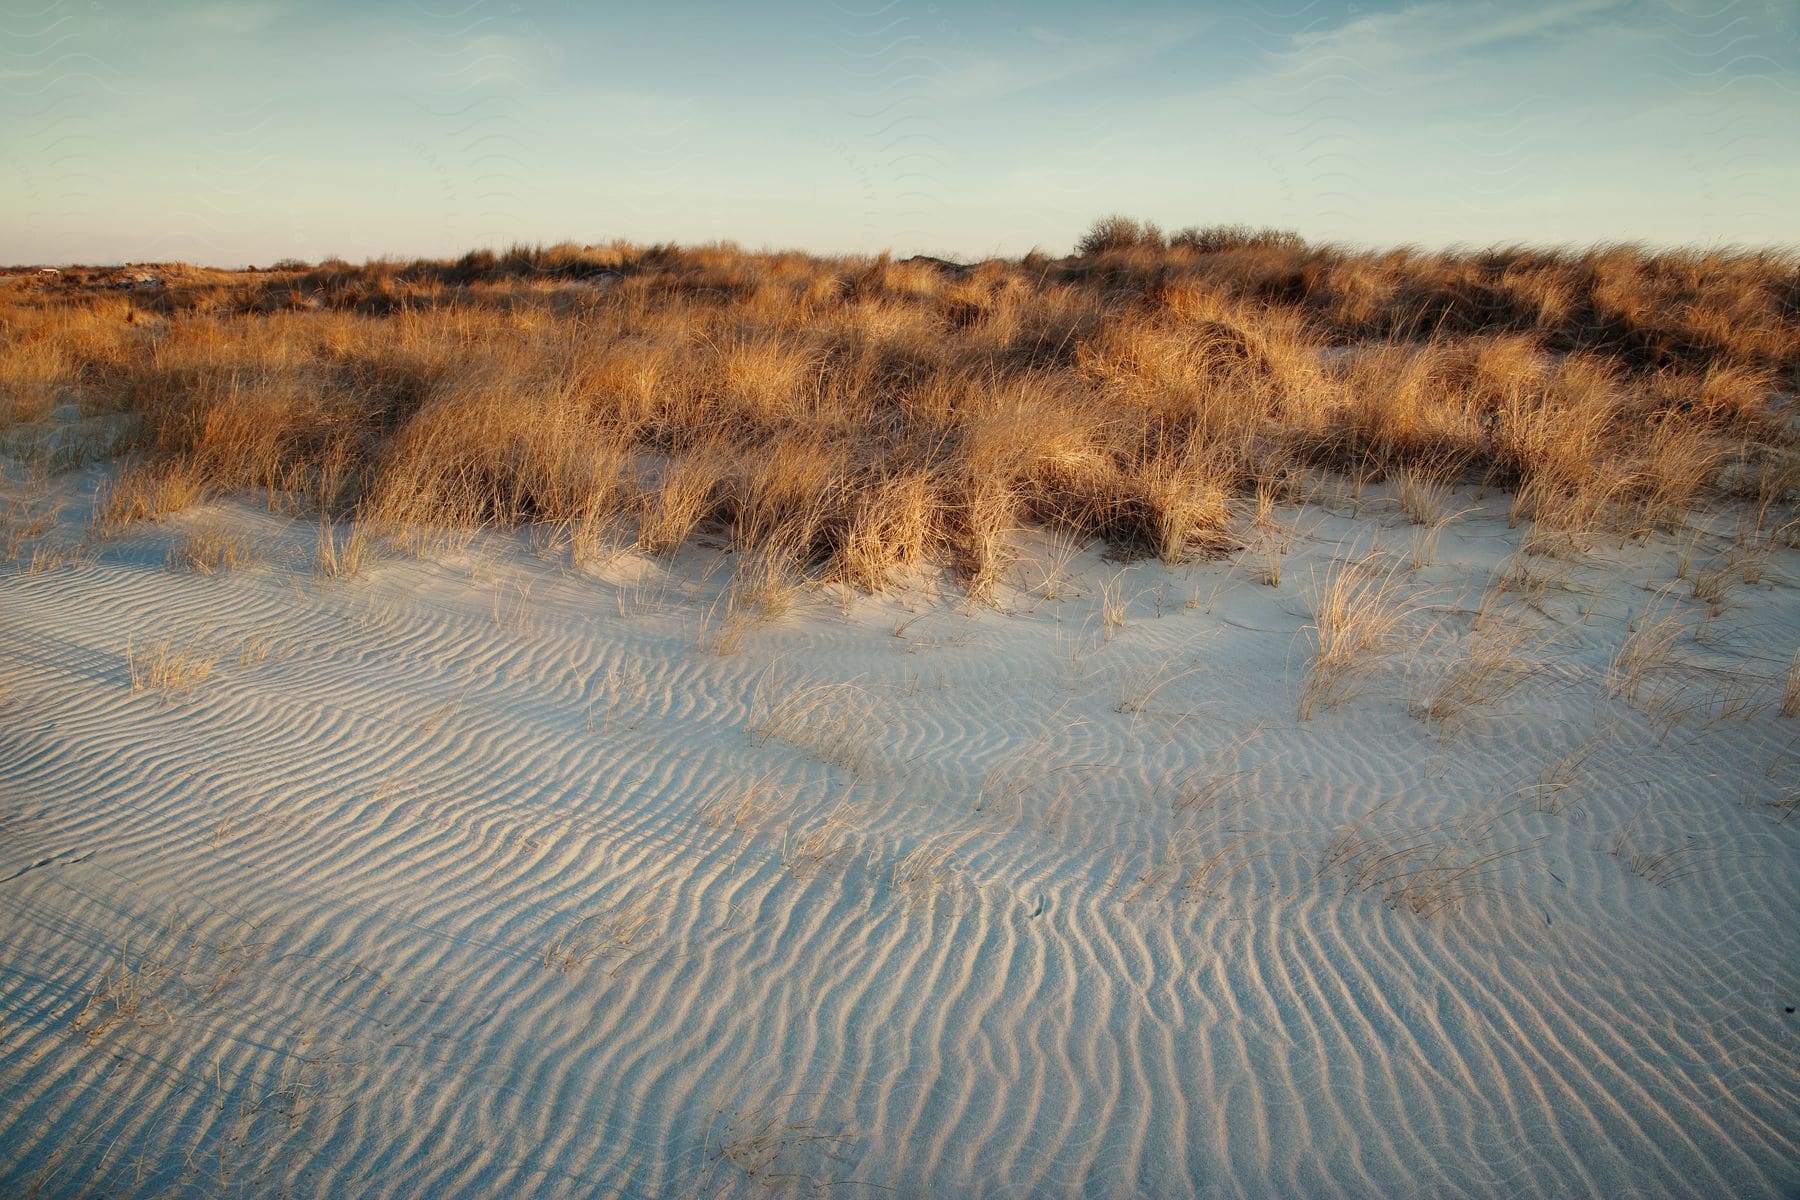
column 1361, row 610
column 211, row 547
column 1426, row 870
column 168, row 669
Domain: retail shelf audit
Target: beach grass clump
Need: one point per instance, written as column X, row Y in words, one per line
column 1362, row 611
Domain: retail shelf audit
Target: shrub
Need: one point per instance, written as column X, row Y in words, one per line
column 1212, row 239
column 1116, row 232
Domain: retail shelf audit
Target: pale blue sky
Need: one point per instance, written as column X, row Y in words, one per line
column 242, row 132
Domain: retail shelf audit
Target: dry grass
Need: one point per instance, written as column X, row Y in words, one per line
column 1023, row 772
column 147, row 493
column 1114, row 604
column 1790, row 694
column 612, row 935
column 22, row 521
column 928, row 869
column 1660, row 864
column 865, row 416
column 1648, row 658
column 1423, row 542
column 47, row 558
column 128, row 991
column 773, row 1147
column 1054, row 566
column 210, row 548
column 1500, row 652
column 1141, row 686
column 166, row 668
column 763, row 588
column 1743, row 563
column 836, row 723
column 182, row 965
column 341, row 556
column 1212, row 785
column 155, row 1001
column 1424, row 493
column 1361, row 612
column 254, row 648
column 1190, row 865
column 1268, row 539
column 807, row 852
column 745, row 804
column 1426, row 870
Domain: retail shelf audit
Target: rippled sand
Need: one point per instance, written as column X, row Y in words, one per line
column 474, row 876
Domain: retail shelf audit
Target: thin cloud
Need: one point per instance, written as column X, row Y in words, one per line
column 240, row 17
column 1444, row 29
column 1050, row 57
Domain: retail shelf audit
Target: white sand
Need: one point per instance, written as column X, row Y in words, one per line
column 1117, row 961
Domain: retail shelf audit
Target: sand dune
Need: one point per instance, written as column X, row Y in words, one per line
column 477, row 876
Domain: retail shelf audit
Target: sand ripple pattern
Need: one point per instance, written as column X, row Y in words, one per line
column 304, row 927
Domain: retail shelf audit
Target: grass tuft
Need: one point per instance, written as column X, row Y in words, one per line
column 1360, row 613
column 166, row 668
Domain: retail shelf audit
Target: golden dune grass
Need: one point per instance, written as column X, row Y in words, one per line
column 856, row 417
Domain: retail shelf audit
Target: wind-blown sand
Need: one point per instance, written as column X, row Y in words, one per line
column 473, row 876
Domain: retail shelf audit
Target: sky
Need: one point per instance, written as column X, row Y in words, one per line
column 241, row 133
